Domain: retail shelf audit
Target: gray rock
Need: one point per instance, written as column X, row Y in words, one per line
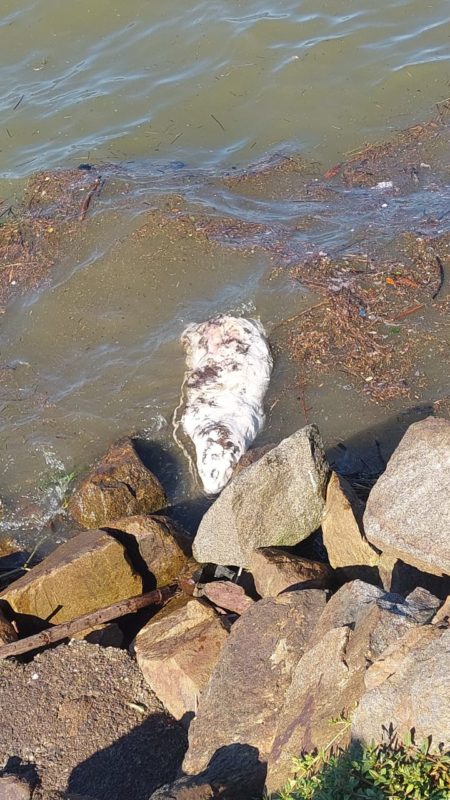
column 408, row 687
column 238, row 713
column 277, row 501
column 408, row 510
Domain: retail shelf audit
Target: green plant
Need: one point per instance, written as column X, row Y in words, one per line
column 379, row 772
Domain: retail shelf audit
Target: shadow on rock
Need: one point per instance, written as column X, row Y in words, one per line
column 235, row 772
column 134, row 766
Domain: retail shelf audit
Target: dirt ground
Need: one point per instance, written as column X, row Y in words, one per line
column 84, row 719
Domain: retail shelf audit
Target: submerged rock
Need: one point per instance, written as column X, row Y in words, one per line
column 177, row 652
column 88, row 572
column 277, row 501
column 238, row 712
column 119, row 485
column 408, row 510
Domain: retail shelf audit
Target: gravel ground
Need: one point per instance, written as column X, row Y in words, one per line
column 84, row 720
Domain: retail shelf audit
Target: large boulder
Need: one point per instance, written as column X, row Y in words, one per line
column 408, row 510
column 278, row 501
column 342, row 528
column 90, row 571
column 356, row 629
column 163, row 545
column 238, row 712
column 274, row 570
column 119, row 485
column 408, row 688
column 177, row 652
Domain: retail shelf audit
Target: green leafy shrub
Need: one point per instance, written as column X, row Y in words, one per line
column 380, row 772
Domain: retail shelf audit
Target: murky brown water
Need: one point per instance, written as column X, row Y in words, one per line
column 207, row 85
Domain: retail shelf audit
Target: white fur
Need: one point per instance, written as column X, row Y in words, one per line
column 228, row 372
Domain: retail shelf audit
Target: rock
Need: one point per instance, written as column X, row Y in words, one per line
column 118, row 486
column 238, row 712
column 85, row 718
column 323, row 686
column 7, row 631
column 186, row 789
column 13, row 788
column 251, row 457
column 227, row 595
column 359, row 623
column 408, row 511
column 177, row 652
column 408, row 688
column 442, row 617
column 277, row 501
column 345, row 607
column 163, row 545
column 275, row 570
column 107, row 635
column 86, row 573
column 342, row 529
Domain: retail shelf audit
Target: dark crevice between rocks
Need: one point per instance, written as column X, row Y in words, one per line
column 130, row 624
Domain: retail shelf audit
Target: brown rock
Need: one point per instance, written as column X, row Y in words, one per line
column 12, row 788
column 251, row 457
column 7, row 631
column 355, row 629
column 342, row 528
column 408, row 510
column 275, row 570
column 86, row 573
column 442, row 616
column 238, row 712
column 118, row 486
column 177, row 652
column 408, row 688
column 345, row 607
column 323, row 687
column 227, row 595
column 163, row 545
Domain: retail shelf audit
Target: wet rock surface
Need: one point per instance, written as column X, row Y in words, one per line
column 120, row 485
column 277, row 501
column 95, row 729
column 408, row 511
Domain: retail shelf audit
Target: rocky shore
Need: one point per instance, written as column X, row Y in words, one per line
column 298, row 602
